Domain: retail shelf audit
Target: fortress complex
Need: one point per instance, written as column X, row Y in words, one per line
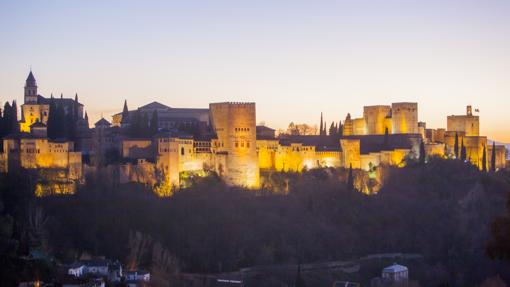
column 156, row 144
column 399, row 118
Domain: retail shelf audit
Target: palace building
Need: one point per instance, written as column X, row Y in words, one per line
column 157, row 144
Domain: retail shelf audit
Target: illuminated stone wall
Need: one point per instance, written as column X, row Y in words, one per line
column 404, row 118
column 375, row 117
column 370, row 160
column 235, row 127
column 350, row 153
column 474, row 146
column 40, row 153
column 399, row 118
column 137, row 148
column 501, row 155
column 394, row 157
column 142, row 172
column 468, row 124
column 294, row 157
column 359, row 126
column 435, row 149
column 266, row 150
column 167, row 161
column 33, row 113
column 58, row 165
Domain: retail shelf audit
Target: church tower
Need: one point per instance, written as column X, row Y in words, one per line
column 30, row 89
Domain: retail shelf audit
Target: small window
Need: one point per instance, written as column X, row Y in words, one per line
column 182, row 150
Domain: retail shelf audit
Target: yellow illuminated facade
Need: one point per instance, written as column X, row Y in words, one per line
column 385, row 135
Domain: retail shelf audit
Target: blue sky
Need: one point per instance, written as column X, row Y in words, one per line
column 294, row 58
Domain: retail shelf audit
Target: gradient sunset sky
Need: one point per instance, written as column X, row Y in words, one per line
column 295, row 59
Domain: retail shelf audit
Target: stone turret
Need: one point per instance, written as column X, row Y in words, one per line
column 30, row 89
column 235, row 128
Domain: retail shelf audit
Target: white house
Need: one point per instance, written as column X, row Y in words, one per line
column 76, row 269
column 97, row 267
column 138, row 276
column 396, row 273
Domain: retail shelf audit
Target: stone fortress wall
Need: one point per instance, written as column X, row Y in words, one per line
column 235, row 127
column 385, row 135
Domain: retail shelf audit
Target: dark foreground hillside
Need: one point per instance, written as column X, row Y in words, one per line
column 441, row 211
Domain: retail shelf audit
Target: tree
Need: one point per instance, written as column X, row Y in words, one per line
column 332, row 129
column 14, row 118
column 422, row 153
column 135, row 124
column 6, row 119
column 144, row 125
column 456, row 145
column 386, row 138
column 51, row 123
column 493, row 157
column 154, row 123
column 340, row 129
column 463, row 154
column 60, row 121
column 299, row 280
column 350, row 179
column 484, row 159
column 321, row 127
column 1, row 124
column 498, row 246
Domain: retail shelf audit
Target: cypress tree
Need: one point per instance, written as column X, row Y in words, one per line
column 144, row 126
column 14, row 118
column 463, row 154
column 71, row 126
column 332, row 129
column 7, row 118
column 350, row 179
column 456, row 146
column 422, row 153
column 299, row 280
column 2, row 125
column 154, row 123
column 60, row 121
column 493, row 157
column 133, row 126
column 51, row 123
column 484, row 159
column 340, row 129
column 386, row 138
column 321, row 127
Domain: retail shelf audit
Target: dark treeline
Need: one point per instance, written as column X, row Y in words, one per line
column 62, row 124
column 441, row 210
column 9, row 119
column 142, row 126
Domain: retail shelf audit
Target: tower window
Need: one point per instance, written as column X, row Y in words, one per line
column 182, row 150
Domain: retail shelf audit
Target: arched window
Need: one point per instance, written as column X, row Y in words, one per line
column 182, row 150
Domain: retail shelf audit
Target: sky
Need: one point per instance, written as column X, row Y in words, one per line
column 295, row 59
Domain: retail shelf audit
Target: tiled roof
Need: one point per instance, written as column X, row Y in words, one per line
column 46, row 101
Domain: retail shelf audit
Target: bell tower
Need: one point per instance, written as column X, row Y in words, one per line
column 30, row 89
